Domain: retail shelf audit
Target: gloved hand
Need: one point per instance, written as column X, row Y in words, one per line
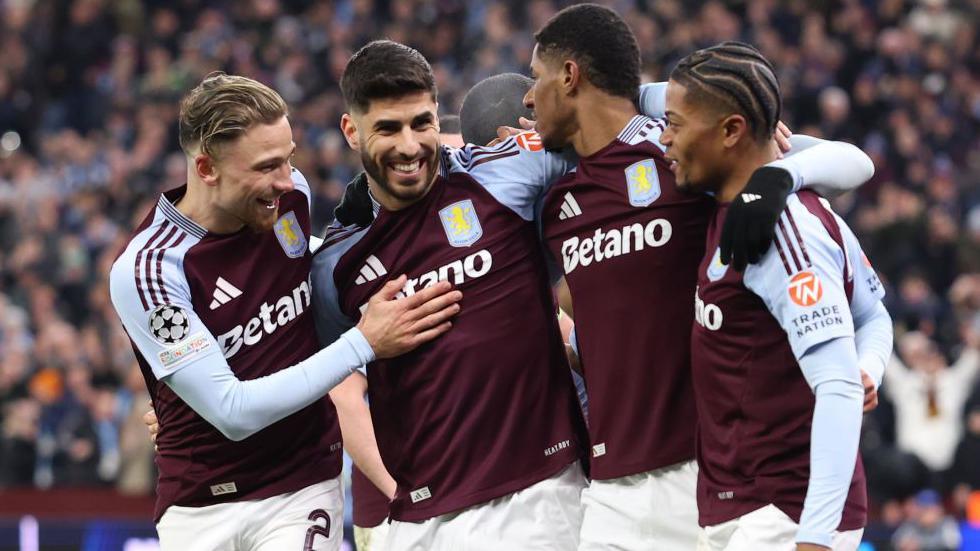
column 355, row 208
column 750, row 224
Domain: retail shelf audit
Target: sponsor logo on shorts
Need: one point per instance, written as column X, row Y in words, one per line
column 184, row 352
column 599, row 450
column 421, row 494
column 726, row 495
column 224, row 488
column 805, row 289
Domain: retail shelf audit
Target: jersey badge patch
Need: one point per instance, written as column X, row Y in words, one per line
column 805, row 289
column 642, row 183
column 290, row 235
column 461, row 223
column 716, row 270
column 168, row 324
column 529, row 141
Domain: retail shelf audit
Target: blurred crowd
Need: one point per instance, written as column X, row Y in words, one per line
column 88, row 99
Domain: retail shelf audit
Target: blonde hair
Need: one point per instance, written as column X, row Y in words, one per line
column 222, row 108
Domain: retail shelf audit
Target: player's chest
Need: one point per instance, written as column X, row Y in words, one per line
column 467, row 239
column 611, row 219
column 246, row 287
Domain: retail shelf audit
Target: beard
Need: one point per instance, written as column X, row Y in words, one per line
column 407, row 194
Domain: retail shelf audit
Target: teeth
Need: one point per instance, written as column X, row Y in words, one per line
column 406, row 167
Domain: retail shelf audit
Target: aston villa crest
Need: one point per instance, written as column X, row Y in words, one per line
column 716, row 270
column 290, row 235
column 461, row 223
column 642, row 183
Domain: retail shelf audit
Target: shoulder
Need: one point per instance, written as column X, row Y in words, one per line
column 337, row 242
column 301, row 184
column 513, row 157
column 149, row 272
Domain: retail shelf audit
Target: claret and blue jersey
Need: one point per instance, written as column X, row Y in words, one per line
column 488, row 408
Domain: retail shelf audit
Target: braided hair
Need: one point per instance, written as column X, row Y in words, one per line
column 736, row 76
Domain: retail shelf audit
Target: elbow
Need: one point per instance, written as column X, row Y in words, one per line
column 235, row 429
column 863, row 165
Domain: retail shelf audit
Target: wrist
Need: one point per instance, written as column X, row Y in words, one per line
column 359, row 344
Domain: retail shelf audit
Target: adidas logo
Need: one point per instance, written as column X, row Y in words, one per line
column 224, row 293
column 569, row 207
column 371, row 270
column 749, row 197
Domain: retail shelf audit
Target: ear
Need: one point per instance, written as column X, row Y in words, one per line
column 571, row 76
column 349, row 129
column 734, row 129
column 206, row 169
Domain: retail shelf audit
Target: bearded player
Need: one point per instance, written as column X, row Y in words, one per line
column 213, row 290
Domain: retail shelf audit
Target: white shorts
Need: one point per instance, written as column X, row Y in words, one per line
column 304, row 520
column 766, row 529
column 542, row 517
column 371, row 538
column 655, row 510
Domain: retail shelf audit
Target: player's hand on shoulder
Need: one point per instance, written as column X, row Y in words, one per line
column 780, row 139
column 393, row 326
column 750, row 224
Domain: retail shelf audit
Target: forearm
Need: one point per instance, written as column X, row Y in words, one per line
column 358, row 433
column 873, row 337
column 835, row 433
column 830, row 168
column 241, row 408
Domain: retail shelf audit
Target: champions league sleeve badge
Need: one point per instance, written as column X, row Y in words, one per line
column 168, row 324
column 290, row 235
column 642, row 183
column 461, row 224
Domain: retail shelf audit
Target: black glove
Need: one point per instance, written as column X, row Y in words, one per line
column 750, row 225
column 355, row 207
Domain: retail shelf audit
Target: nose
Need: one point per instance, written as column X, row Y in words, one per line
column 665, row 138
column 284, row 181
column 529, row 98
column 408, row 145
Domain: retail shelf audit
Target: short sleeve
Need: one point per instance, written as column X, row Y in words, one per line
column 801, row 279
column 158, row 316
column 517, row 171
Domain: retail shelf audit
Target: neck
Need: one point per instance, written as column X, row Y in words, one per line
column 196, row 204
column 605, row 118
column 737, row 176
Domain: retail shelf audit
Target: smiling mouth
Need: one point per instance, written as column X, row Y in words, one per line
column 672, row 163
column 412, row 168
column 271, row 205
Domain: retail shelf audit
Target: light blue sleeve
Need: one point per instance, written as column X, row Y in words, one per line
column 300, row 183
column 330, row 320
column 829, row 168
column 517, row 171
column 653, row 99
column 874, row 337
column 801, row 280
column 239, row 408
column 830, row 369
column 197, row 371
